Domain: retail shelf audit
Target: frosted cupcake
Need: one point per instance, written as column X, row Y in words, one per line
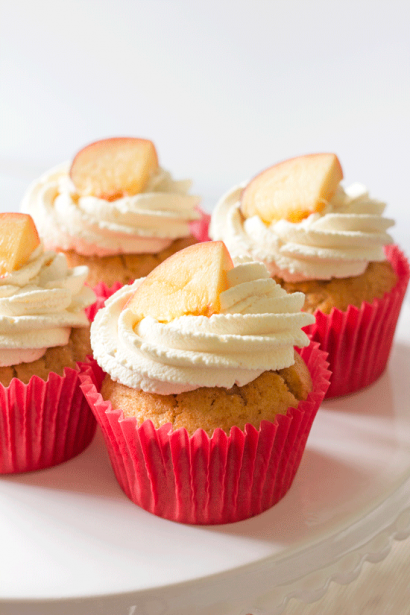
column 332, row 244
column 114, row 209
column 44, row 332
column 205, row 407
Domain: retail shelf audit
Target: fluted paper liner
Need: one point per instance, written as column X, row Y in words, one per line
column 43, row 423
column 102, row 292
column 203, row 480
column 358, row 341
column 199, row 228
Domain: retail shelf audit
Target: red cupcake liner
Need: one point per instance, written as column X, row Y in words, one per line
column 199, row 228
column 358, row 341
column 102, row 292
column 43, row 423
column 203, row 480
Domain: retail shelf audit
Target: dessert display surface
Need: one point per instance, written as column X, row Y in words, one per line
column 231, row 100
column 86, row 548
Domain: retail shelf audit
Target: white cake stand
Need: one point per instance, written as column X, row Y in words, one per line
column 73, row 544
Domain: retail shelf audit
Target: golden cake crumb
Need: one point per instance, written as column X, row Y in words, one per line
column 123, row 268
column 378, row 279
column 54, row 360
column 207, row 408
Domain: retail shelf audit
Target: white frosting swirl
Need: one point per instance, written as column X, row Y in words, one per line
column 145, row 223
column 256, row 330
column 339, row 242
column 39, row 304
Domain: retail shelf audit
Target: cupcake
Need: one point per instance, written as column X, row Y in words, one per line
column 44, row 418
column 115, row 210
column 203, row 402
column 330, row 243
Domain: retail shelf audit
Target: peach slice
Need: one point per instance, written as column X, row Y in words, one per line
column 188, row 282
column 18, row 239
column 113, row 168
column 293, row 189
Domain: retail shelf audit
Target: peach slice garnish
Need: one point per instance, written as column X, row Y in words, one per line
column 18, row 239
column 188, row 282
column 113, row 168
column 293, row 189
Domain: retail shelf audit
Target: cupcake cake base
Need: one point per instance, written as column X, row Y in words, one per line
column 270, row 394
column 54, row 360
column 340, row 293
column 123, row 268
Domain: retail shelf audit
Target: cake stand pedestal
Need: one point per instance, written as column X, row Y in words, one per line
column 73, row 544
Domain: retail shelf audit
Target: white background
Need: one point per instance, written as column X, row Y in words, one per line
column 225, row 89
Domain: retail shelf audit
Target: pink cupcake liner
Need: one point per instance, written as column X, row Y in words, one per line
column 203, row 480
column 43, row 423
column 358, row 341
